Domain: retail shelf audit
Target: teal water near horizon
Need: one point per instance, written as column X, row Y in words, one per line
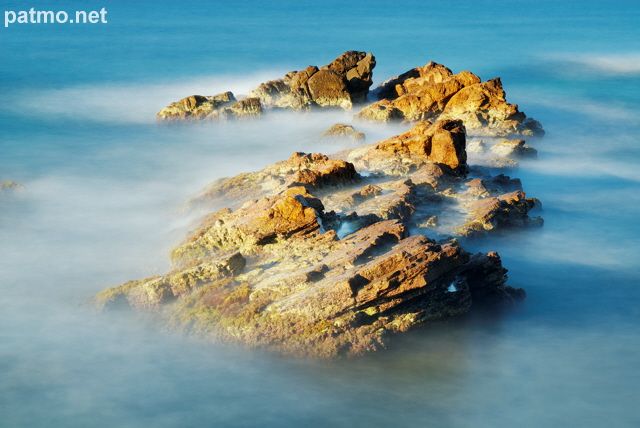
column 104, row 187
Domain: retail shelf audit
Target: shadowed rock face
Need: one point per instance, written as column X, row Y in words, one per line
column 313, row 258
column 442, row 142
column 342, row 83
column 197, row 107
column 433, row 92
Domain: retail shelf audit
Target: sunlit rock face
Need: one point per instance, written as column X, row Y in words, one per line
column 328, row 256
column 340, row 84
column 433, row 92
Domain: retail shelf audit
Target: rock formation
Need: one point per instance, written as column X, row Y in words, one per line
column 9, row 186
column 342, row 83
column 340, row 131
column 327, row 256
column 514, row 148
column 442, row 143
column 433, row 92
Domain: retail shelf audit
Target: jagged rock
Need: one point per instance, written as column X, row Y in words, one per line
column 247, row 229
column 391, row 200
column 301, row 169
column 341, row 83
column 312, row 258
column 340, row 131
column 506, row 211
column 270, row 92
column 328, row 88
column 423, row 93
column 419, row 94
column 433, row 92
column 380, row 111
column 484, row 109
column 514, row 148
column 357, row 68
column 430, row 74
column 442, row 142
column 246, row 108
column 156, row 290
column 317, row 296
column 195, row 107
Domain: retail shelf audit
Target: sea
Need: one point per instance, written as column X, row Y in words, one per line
column 105, row 189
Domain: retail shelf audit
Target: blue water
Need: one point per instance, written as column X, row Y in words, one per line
column 104, row 187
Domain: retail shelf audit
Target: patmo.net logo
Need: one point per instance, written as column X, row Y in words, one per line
column 33, row 16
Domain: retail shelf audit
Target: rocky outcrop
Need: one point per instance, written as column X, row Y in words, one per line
column 442, row 143
column 311, row 171
column 484, row 109
column 507, row 211
column 198, row 107
column 433, row 92
column 328, row 256
column 303, row 292
column 357, row 69
column 514, row 148
column 342, row 83
column 343, row 132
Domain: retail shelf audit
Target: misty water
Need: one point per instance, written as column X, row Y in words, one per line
column 105, row 189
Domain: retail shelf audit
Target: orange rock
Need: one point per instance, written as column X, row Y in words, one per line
column 442, row 142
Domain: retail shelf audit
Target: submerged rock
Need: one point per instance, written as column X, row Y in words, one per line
column 506, row 211
column 340, row 131
column 312, row 258
column 8, row 186
column 514, row 148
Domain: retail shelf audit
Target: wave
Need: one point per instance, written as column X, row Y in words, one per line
column 627, row 64
column 125, row 103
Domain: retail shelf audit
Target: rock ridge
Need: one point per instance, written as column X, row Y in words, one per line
column 433, row 92
column 330, row 256
column 430, row 92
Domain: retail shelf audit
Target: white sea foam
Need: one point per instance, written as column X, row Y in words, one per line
column 132, row 103
column 581, row 105
column 624, row 64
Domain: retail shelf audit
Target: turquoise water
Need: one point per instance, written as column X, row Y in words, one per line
column 105, row 187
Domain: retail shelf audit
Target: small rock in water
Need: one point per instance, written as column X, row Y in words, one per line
column 340, row 131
